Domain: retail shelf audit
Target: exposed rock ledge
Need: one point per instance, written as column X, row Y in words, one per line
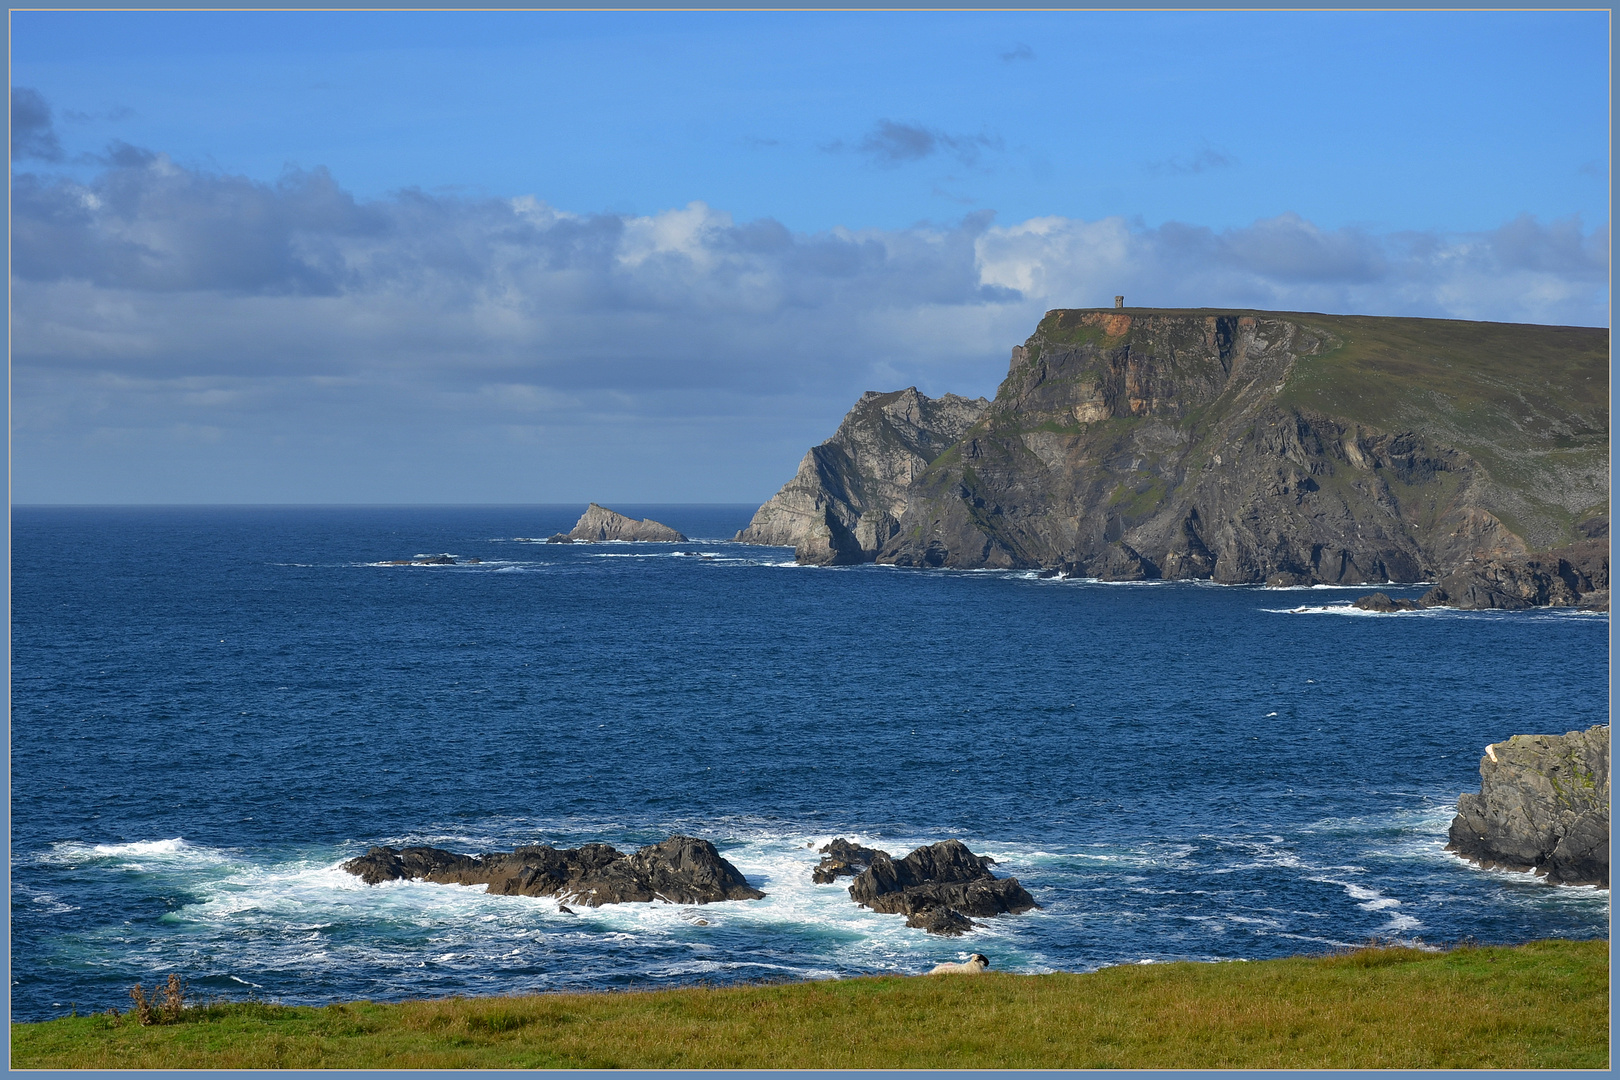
column 936, row 887
column 1543, row 806
column 598, row 523
column 681, row 870
column 1573, row 576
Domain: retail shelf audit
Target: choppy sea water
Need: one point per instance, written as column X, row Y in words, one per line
column 212, row 708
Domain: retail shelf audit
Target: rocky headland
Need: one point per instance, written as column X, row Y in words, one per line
column 1543, row 806
column 1245, row 447
column 850, row 493
column 599, row 524
column 681, row 870
column 935, row 887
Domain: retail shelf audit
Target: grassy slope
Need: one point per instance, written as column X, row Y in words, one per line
column 1543, row 1005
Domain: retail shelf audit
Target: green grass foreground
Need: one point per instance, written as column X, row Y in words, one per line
column 1542, row 1005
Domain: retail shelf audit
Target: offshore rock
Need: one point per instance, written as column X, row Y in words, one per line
column 937, row 887
column 1243, row 447
column 1381, row 602
column 681, row 870
column 1564, row 577
column 598, row 523
column 840, row 858
column 850, row 492
column 1543, row 806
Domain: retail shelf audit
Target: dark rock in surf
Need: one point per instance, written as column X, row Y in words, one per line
column 1380, row 602
column 681, row 870
column 1543, row 806
column 840, row 858
column 559, row 538
column 937, row 887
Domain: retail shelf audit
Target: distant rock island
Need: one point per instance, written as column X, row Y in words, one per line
column 1244, row 447
column 599, row 524
column 935, row 887
column 681, row 870
column 1543, row 806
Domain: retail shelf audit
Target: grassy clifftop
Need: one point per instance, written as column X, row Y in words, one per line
column 1543, row 1005
column 1530, row 403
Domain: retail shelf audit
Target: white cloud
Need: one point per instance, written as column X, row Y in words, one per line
column 165, row 299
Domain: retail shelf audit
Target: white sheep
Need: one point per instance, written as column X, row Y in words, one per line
column 972, row 966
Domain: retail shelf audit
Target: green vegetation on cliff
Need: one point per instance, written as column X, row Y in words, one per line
column 1542, row 1005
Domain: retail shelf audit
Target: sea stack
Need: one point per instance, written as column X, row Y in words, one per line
column 1543, row 806
column 598, row 523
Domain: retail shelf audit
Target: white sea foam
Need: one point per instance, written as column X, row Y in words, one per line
column 173, row 853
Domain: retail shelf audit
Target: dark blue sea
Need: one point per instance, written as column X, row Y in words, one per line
column 213, row 708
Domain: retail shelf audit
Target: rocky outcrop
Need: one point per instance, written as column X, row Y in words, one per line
column 681, row 870
column 1543, row 806
column 1577, row 575
column 598, row 523
column 935, row 887
column 1381, row 603
column 851, row 491
column 840, row 858
column 1243, row 447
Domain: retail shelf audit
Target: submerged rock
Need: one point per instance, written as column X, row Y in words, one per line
column 1543, row 806
column 681, row 870
column 937, row 887
column 599, row 523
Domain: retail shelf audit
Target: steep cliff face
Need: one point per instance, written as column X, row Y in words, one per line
column 1265, row 447
column 1543, row 805
column 850, row 492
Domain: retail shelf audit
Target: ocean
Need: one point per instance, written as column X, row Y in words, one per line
column 212, row 708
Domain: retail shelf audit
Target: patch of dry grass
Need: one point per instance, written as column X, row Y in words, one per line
column 1543, row 1005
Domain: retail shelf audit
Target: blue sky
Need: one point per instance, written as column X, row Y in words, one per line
column 513, row 257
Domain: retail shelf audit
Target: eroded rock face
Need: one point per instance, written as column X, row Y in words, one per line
column 598, row 523
column 681, row 870
column 850, row 492
column 1543, row 806
column 937, row 887
column 1238, row 447
column 1564, row 577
